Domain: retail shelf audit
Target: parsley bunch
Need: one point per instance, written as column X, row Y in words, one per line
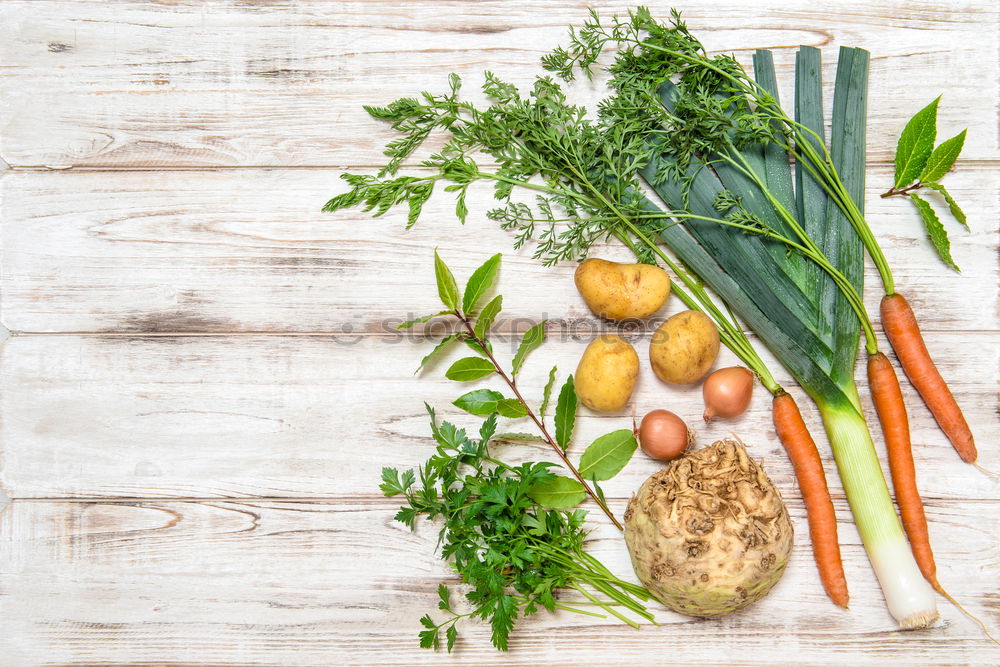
column 511, row 532
column 513, row 554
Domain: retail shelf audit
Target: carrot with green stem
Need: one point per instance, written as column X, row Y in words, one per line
column 654, row 55
column 898, row 320
column 792, row 431
column 591, row 174
column 918, row 166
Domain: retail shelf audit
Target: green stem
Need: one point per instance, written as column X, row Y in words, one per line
column 901, row 191
column 741, row 346
column 525, row 184
column 824, row 168
column 531, row 413
column 575, row 610
column 608, row 608
column 731, row 335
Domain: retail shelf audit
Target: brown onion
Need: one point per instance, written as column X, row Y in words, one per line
column 663, row 435
column 727, row 392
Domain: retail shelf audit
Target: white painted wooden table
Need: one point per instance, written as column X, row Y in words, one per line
column 201, row 387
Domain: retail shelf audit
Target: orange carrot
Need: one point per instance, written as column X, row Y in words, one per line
column 801, row 449
column 891, row 409
column 903, row 332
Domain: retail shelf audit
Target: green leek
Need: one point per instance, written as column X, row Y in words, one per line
column 588, row 175
column 819, row 353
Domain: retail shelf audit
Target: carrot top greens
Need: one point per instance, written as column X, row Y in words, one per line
column 782, row 248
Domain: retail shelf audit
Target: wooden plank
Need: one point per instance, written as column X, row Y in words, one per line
column 276, row 416
column 269, row 583
column 250, row 250
column 270, row 543
column 276, row 84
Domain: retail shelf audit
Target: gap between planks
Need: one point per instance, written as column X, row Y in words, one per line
column 370, row 335
column 373, row 499
column 992, row 163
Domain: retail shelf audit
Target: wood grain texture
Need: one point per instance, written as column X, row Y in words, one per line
column 250, row 250
column 163, row 84
column 340, row 582
column 319, row 416
column 188, row 490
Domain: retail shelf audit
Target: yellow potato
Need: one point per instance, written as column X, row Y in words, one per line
column 606, row 374
column 684, row 347
column 622, row 291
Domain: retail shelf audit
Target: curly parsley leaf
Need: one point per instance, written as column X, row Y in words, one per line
column 392, row 484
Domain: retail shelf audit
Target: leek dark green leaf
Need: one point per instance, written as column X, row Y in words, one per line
column 790, row 342
column 749, row 259
column 809, row 196
column 813, row 342
column 777, row 173
column 841, row 243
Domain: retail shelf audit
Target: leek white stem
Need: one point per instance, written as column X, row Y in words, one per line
column 910, row 598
